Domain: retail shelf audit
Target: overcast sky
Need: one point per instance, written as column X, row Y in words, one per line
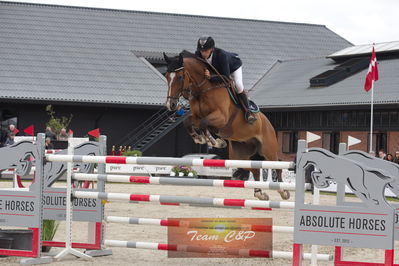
column 360, row 22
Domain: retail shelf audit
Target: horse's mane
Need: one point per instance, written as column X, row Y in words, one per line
column 188, row 54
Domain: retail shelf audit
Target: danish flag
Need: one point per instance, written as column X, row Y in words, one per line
column 372, row 73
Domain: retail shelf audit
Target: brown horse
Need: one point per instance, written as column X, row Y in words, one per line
column 213, row 113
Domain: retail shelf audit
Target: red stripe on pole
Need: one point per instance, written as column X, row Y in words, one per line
column 167, row 247
column 135, row 197
column 213, row 162
column 115, row 159
column 262, row 209
column 140, row 179
column 262, row 228
column 234, row 202
column 259, row 253
column 170, row 222
column 233, row 183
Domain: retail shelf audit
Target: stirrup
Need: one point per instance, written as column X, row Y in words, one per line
column 250, row 117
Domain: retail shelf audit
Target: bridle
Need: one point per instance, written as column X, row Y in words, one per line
column 187, row 91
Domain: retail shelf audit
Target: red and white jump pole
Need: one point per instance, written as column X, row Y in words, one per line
column 170, row 161
column 185, row 181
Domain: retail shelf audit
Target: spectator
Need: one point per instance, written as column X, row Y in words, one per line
column 11, row 128
column 372, row 153
column 381, row 154
column 49, row 145
column 396, row 159
column 10, row 139
column 50, row 134
column 63, row 135
column 389, row 157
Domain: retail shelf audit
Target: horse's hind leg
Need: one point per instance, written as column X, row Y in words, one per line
column 258, row 193
column 269, row 151
column 285, row 194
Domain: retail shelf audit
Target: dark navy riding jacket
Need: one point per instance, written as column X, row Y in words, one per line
column 224, row 62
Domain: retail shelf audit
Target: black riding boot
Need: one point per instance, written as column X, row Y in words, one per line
column 249, row 116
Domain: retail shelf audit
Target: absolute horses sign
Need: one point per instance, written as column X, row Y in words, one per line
column 369, row 224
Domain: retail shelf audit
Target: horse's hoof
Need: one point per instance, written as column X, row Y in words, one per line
column 200, row 140
column 221, row 143
column 285, row 194
column 261, row 196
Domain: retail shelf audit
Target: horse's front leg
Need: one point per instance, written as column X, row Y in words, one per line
column 197, row 135
column 216, row 120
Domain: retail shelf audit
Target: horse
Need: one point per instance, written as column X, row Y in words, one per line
column 215, row 118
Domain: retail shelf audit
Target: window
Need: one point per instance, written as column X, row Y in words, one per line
column 290, row 142
column 326, row 141
column 379, row 141
column 331, row 141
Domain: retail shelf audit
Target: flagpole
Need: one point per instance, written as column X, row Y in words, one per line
column 371, row 119
column 371, row 77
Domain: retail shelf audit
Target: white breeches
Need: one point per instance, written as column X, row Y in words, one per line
column 237, row 77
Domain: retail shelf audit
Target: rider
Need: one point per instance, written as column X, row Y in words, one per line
column 227, row 64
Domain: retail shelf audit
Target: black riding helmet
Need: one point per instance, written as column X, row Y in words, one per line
column 205, row 43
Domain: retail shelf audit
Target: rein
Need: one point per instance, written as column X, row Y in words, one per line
column 198, row 85
column 187, row 92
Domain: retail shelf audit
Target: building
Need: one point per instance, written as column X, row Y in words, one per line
column 103, row 66
column 325, row 95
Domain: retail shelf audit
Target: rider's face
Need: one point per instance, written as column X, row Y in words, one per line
column 206, row 53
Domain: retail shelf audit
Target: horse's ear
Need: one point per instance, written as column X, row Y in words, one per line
column 181, row 59
column 167, row 59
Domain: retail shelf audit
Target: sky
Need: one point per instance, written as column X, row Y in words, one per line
column 358, row 21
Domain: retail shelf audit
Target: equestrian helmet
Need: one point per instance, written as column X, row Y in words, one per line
column 205, row 43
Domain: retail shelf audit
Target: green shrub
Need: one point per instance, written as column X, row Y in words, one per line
column 56, row 123
column 136, row 153
column 49, row 229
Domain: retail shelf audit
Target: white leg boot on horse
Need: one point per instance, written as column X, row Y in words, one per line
column 198, row 139
column 216, row 143
column 258, row 193
column 197, row 135
column 285, row 194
